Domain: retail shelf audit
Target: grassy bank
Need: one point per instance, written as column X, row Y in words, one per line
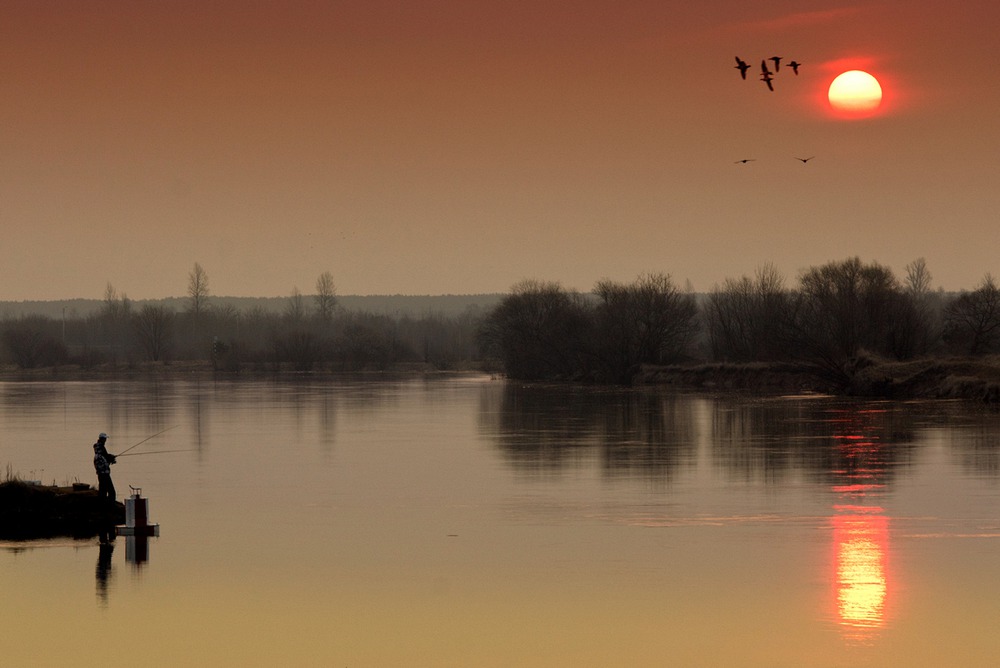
column 30, row 511
column 201, row 368
column 973, row 379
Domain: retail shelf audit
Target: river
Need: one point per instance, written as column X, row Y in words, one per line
column 469, row 521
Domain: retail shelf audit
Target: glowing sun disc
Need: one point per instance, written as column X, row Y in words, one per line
column 855, row 91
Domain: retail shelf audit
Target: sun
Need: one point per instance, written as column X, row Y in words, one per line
column 855, row 93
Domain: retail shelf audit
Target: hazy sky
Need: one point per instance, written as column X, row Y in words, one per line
column 456, row 146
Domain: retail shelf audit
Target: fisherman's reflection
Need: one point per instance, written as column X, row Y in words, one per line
column 107, row 549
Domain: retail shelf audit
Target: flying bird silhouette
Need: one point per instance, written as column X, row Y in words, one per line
column 765, row 75
column 805, row 160
column 744, row 161
column 795, row 67
column 742, row 67
column 777, row 62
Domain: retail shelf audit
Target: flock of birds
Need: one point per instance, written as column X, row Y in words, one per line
column 802, row 160
column 766, row 75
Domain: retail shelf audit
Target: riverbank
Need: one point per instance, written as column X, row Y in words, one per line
column 205, row 369
column 973, row 379
column 29, row 511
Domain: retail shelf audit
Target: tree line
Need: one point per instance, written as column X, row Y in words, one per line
column 310, row 333
column 834, row 315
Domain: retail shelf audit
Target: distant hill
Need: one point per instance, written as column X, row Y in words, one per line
column 391, row 305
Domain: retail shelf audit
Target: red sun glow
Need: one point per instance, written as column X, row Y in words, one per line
column 855, row 93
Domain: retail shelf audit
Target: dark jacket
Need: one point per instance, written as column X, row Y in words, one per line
column 101, row 464
column 101, row 449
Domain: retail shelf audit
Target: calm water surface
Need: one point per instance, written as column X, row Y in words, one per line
column 464, row 521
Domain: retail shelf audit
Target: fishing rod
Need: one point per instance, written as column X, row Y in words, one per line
column 156, row 452
column 145, row 439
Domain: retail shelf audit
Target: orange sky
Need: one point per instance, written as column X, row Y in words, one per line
column 449, row 146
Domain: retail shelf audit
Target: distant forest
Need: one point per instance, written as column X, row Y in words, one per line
column 390, row 305
column 322, row 331
column 839, row 317
column 832, row 318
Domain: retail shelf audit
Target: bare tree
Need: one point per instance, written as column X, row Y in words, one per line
column 646, row 322
column 539, row 331
column 226, row 319
column 298, row 347
column 154, row 330
column 326, row 299
column 920, row 317
column 918, row 277
column 972, row 320
column 295, row 310
column 115, row 308
column 844, row 308
column 747, row 319
column 192, row 339
column 30, row 342
column 114, row 320
column 197, row 291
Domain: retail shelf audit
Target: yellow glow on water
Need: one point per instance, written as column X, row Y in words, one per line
column 861, row 545
column 397, row 529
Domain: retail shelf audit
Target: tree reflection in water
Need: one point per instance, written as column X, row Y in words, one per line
column 545, row 429
column 848, row 452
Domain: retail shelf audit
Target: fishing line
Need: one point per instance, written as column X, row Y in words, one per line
column 146, row 439
column 156, row 452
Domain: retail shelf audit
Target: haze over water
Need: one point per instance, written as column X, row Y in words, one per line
column 464, row 521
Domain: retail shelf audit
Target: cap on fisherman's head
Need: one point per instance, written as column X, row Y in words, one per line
column 102, row 436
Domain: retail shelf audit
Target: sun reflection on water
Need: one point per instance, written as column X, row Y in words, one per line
column 861, row 540
column 861, row 527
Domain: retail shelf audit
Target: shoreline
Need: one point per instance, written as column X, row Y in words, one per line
column 971, row 379
column 30, row 511
column 204, row 369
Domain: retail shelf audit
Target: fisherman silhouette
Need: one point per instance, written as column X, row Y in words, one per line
column 102, row 466
column 101, row 446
